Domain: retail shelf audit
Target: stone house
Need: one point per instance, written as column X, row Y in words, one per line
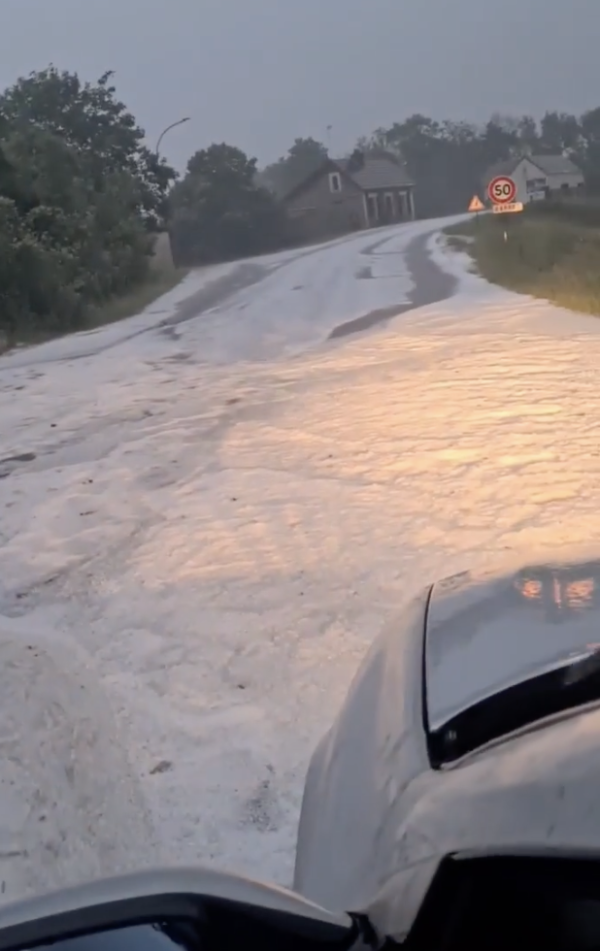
column 344, row 195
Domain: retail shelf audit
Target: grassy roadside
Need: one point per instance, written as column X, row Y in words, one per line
column 551, row 252
column 159, row 281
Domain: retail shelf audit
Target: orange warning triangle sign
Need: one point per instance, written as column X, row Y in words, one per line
column 476, row 204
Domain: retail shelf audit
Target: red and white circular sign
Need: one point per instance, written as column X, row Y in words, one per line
column 502, row 190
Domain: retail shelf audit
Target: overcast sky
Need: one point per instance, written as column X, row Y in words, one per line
column 257, row 73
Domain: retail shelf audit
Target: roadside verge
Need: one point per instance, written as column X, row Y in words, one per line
column 550, row 252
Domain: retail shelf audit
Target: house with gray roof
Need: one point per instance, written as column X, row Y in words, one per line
column 539, row 176
column 343, row 195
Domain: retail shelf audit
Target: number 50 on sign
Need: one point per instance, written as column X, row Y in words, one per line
column 502, row 190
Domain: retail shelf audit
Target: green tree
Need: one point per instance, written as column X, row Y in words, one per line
column 560, row 132
column 303, row 158
column 218, row 212
column 378, row 141
column 94, row 123
column 442, row 158
column 78, row 193
column 589, row 150
column 527, row 134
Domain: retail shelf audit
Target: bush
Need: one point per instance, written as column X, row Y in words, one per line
column 79, row 193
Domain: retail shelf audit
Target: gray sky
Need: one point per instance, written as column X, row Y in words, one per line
column 257, row 73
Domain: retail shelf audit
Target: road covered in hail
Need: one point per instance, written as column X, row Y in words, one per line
column 207, row 512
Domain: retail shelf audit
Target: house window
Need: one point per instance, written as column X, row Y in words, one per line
column 535, row 185
column 335, row 182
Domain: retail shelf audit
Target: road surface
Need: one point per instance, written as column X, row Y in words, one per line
column 207, row 513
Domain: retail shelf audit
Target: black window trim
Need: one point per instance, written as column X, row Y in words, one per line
column 563, row 690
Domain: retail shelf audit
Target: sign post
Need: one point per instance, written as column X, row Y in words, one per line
column 502, row 192
column 475, row 206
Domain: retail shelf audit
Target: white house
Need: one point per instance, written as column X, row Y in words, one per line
column 540, row 176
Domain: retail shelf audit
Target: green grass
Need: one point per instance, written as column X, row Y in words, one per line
column 550, row 253
column 159, row 281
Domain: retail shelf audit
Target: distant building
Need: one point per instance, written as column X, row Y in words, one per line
column 343, row 195
column 539, row 176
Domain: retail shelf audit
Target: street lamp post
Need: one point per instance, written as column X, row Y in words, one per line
column 157, row 153
column 168, row 129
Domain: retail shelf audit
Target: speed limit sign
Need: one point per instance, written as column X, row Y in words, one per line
column 502, row 190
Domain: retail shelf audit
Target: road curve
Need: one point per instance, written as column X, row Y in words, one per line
column 168, row 487
column 258, row 308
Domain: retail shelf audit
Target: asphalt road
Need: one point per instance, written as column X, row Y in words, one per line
column 430, row 286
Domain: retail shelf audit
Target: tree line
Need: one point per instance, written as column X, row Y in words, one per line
column 82, row 195
column 448, row 160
